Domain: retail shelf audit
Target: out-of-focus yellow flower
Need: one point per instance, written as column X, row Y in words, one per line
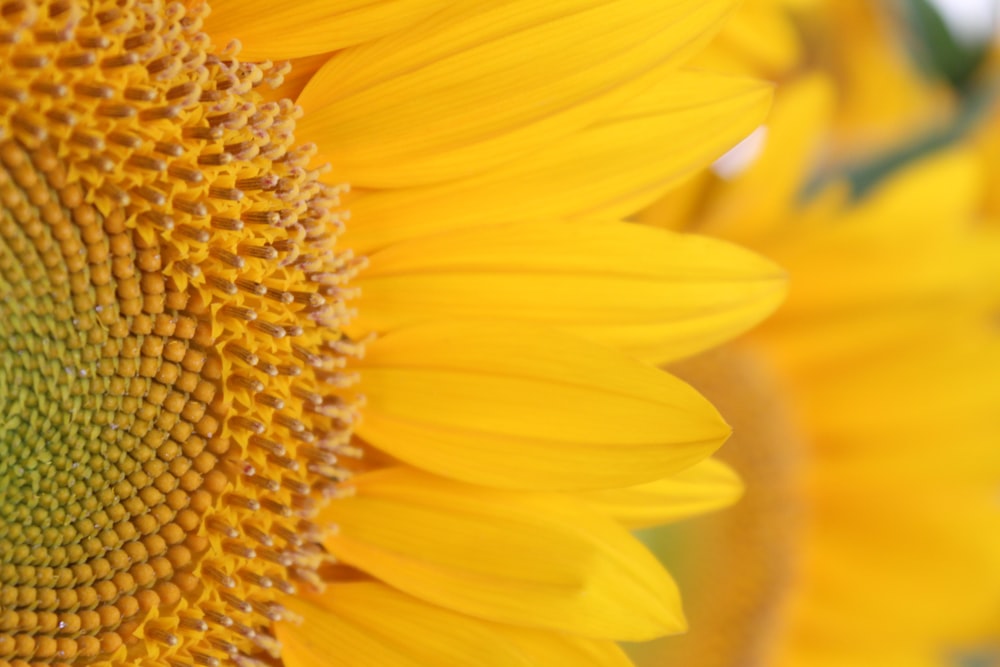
column 882, row 97
column 869, row 532
column 188, row 390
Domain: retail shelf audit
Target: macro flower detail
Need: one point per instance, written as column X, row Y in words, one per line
column 230, row 439
column 170, row 348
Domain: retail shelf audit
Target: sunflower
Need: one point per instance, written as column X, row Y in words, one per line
column 868, row 535
column 254, row 417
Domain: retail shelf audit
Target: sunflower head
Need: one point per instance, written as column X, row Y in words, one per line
column 171, row 370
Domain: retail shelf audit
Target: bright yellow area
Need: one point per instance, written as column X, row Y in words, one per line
column 172, row 241
column 882, row 369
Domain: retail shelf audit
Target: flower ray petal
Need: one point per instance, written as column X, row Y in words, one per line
column 604, row 172
column 529, row 408
column 363, row 624
column 707, row 486
column 656, row 294
column 530, row 559
column 558, row 67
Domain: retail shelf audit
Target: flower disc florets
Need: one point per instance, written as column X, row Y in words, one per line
column 170, row 362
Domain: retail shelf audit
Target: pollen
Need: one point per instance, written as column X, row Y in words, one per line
column 174, row 402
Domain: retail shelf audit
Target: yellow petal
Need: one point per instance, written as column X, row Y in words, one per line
column 303, row 69
column 707, row 486
column 362, row 624
column 905, row 203
column 909, row 244
column 759, row 40
column 606, row 171
column 886, row 545
column 367, row 624
column 758, row 199
column 681, row 208
column 488, row 82
column 530, row 559
column 562, row 650
column 518, row 407
column 283, row 30
column 657, row 294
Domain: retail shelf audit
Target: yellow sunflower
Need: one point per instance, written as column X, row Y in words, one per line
column 869, row 532
column 243, row 426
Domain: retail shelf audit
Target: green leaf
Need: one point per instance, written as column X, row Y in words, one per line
column 937, row 49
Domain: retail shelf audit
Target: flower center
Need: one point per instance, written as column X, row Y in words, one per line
column 173, row 398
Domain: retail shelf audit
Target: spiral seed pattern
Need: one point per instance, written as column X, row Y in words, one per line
column 174, row 400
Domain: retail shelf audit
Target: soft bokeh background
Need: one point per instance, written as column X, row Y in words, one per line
column 867, row 411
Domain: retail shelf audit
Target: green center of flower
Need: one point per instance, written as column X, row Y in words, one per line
column 54, row 469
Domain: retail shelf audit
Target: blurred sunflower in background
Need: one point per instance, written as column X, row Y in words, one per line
column 866, row 411
column 352, row 360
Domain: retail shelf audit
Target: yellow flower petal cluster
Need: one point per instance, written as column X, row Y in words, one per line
column 251, row 418
column 868, row 535
column 882, row 100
